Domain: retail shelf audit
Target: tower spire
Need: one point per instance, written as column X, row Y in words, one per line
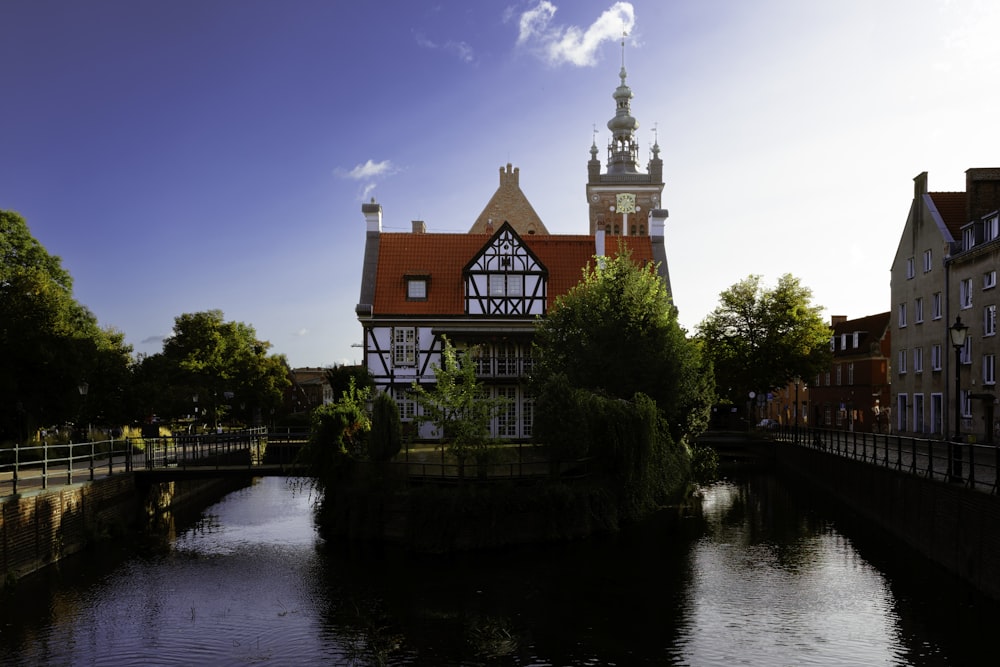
column 623, row 151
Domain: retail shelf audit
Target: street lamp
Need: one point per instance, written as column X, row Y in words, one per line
column 958, row 332
column 83, row 388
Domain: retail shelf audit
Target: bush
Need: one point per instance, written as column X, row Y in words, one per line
column 386, row 437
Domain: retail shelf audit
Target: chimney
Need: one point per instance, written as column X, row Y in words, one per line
column 837, row 319
column 509, row 177
column 657, row 221
column 920, row 185
column 982, row 192
column 419, row 227
column 373, row 216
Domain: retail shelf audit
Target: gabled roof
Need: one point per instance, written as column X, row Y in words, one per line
column 441, row 258
column 951, row 206
column 875, row 325
column 871, row 328
column 509, row 204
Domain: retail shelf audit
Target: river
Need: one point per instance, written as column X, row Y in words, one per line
column 753, row 573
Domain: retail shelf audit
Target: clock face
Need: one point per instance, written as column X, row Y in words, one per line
column 625, row 202
column 594, row 198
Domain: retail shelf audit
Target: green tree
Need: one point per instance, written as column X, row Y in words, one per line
column 338, row 436
column 759, row 339
column 51, row 343
column 223, row 363
column 339, row 377
column 457, row 405
column 616, row 333
column 386, row 435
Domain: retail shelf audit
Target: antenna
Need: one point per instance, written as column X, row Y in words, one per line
column 624, row 35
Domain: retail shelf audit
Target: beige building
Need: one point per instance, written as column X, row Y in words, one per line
column 945, row 269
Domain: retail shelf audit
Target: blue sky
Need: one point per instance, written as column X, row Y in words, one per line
column 190, row 155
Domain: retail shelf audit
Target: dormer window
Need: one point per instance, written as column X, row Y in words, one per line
column 416, row 288
column 968, row 237
column 991, row 227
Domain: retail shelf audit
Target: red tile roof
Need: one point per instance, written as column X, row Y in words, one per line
column 442, row 257
column 951, row 206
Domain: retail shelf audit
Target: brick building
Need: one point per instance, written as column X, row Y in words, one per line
column 855, row 393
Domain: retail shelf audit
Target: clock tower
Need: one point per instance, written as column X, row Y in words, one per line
column 622, row 198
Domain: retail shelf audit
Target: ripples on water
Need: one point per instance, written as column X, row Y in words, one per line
column 747, row 576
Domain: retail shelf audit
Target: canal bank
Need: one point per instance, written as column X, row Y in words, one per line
column 953, row 526
column 40, row 528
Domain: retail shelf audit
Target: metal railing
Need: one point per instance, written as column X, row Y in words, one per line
column 974, row 465
column 43, row 466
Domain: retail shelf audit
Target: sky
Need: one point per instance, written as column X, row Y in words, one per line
column 192, row 155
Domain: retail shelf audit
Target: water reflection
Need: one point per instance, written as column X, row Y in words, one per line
column 753, row 573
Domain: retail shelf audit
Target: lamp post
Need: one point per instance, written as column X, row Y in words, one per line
column 83, row 388
column 958, row 332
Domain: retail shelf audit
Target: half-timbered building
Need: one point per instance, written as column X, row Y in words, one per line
column 484, row 290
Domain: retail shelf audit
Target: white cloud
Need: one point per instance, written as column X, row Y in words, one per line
column 369, row 169
column 572, row 44
column 463, row 50
column 301, row 332
column 535, row 21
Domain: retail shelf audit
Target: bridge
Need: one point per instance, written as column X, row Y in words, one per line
column 251, row 452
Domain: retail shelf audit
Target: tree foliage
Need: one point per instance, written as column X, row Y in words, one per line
column 340, row 376
column 759, row 339
column 616, row 333
column 386, row 437
column 457, row 405
column 223, row 363
column 51, row 343
column 338, row 436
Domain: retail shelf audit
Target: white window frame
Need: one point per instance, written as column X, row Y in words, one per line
column 990, row 320
column 966, row 356
column 918, row 360
column 515, row 284
column 404, row 346
column 527, row 417
column 936, row 306
column 918, row 413
column 407, row 406
column 989, row 369
column 497, row 285
column 902, row 316
column 968, row 237
column 936, row 357
column 506, row 419
column 990, row 279
column 910, row 270
column 991, row 228
column 901, row 370
column 918, row 308
column 928, row 261
column 965, row 293
column 416, row 289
